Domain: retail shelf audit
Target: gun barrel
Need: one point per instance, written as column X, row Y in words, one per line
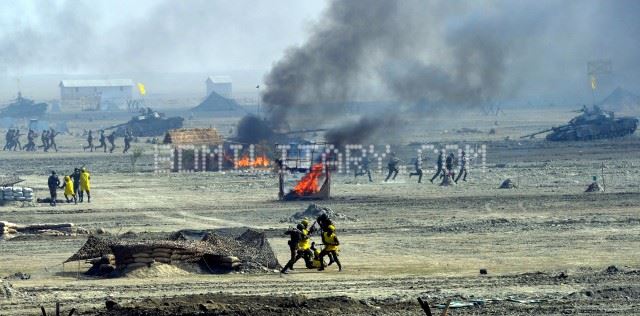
column 537, row 133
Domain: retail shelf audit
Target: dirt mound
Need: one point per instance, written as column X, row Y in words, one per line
column 160, row 270
column 508, row 184
column 313, row 211
column 594, row 187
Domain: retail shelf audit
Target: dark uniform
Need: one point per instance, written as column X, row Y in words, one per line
column 463, row 167
column 393, row 167
column 112, row 141
column 75, row 176
column 89, row 142
column 449, row 165
column 303, row 247
column 8, row 137
column 418, row 165
column 439, row 164
column 127, row 141
column 103, row 141
column 31, row 145
column 52, row 139
column 53, row 184
column 44, row 137
column 365, row 168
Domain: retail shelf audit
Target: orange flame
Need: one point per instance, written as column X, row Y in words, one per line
column 309, row 183
column 260, row 161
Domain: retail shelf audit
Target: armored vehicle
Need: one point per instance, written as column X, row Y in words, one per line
column 148, row 123
column 593, row 123
column 23, row 108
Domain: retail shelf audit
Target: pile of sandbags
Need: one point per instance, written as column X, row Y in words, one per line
column 21, row 194
column 7, row 228
column 102, row 265
column 138, row 257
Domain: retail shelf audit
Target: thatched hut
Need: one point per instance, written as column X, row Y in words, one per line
column 193, row 137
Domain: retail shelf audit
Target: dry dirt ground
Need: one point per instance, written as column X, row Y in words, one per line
column 547, row 246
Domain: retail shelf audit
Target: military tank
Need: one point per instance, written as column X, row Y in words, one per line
column 593, row 123
column 148, row 123
column 23, row 108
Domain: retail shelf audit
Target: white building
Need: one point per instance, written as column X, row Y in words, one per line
column 221, row 85
column 106, row 94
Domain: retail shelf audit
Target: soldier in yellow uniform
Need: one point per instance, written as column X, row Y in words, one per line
column 85, row 184
column 331, row 247
column 67, row 185
column 303, row 250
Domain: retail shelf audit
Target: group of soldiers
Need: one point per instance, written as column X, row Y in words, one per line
column 75, row 186
column 111, row 138
column 446, row 167
column 301, row 246
column 47, row 137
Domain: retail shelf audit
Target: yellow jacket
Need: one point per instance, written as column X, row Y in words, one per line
column 305, row 242
column 85, row 181
column 68, row 186
column 329, row 241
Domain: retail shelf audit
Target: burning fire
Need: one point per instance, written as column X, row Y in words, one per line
column 309, row 183
column 260, row 161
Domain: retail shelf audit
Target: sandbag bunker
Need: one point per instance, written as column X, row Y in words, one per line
column 213, row 253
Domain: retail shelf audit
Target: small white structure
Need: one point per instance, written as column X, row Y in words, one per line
column 95, row 94
column 221, row 85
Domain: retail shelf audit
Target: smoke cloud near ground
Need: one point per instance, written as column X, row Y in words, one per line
column 445, row 56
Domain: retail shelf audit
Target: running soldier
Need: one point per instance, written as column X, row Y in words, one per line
column 365, row 168
column 44, row 137
column 128, row 137
column 463, row 167
column 103, row 141
column 439, row 165
column 112, row 141
column 52, row 139
column 90, row 142
column 393, row 167
column 418, row 165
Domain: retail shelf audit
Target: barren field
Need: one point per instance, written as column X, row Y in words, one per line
column 548, row 247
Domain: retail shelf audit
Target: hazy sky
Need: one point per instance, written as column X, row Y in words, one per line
column 149, row 36
column 540, row 48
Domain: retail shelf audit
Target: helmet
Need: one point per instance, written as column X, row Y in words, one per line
column 305, row 222
column 66, row 178
column 331, row 228
column 300, row 227
column 84, row 169
column 323, row 217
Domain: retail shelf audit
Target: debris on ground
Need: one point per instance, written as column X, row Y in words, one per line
column 6, row 290
column 18, row 276
column 508, row 184
column 594, row 187
column 12, row 230
column 313, row 211
column 214, row 253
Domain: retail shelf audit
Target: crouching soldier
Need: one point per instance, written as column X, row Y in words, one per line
column 303, row 249
column 68, row 187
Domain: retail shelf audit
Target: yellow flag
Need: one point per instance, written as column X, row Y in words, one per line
column 141, row 88
column 593, row 82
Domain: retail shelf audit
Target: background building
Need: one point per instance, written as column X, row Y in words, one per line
column 109, row 94
column 221, row 85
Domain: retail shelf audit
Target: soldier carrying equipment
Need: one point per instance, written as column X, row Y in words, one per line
column 393, row 167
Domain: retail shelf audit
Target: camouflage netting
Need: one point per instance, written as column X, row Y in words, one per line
column 249, row 251
column 94, row 247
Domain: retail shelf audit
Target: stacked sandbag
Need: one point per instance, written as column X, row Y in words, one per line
column 21, row 194
column 133, row 256
column 49, row 229
column 102, row 265
column 7, row 228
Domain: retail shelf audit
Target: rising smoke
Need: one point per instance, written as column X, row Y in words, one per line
column 442, row 55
